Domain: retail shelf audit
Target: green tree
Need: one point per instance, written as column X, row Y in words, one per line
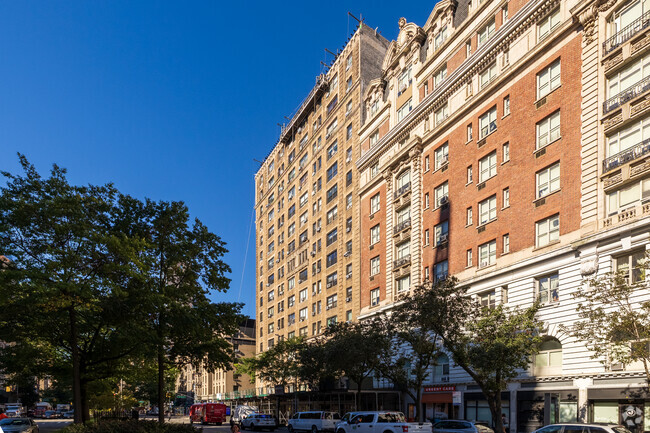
column 613, row 323
column 278, row 365
column 491, row 344
column 354, row 349
column 63, row 304
column 181, row 265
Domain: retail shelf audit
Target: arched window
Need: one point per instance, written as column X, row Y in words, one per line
column 404, row 179
column 549, row 359
column 441, row 369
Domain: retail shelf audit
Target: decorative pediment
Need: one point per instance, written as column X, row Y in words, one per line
column 409, row 40
column 442, row 13
column 375, row 91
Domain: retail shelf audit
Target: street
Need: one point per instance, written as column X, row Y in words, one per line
column 51, row 425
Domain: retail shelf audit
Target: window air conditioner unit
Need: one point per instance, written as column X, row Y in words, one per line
column 348, row 299
column 443, row 239
column 444, row 199
column 484, row 263
column 347, row 254
column 444, row 379
column 313, row 253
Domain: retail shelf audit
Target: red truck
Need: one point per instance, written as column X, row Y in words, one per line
column 208, row 413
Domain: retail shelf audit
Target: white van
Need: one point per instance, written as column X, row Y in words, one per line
column 314, row 422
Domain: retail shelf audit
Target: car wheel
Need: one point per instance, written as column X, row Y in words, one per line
column 203, row 421
column 290, row 428
column 340, row 431
column 252, row 426
column 314, row 429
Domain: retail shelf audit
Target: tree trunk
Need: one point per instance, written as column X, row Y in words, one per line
column 418, row 404
column 357, row 398
column 84, row 408
column 161, row 385
column 76, row 368
column 494, row 402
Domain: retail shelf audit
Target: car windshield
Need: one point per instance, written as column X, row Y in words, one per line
column 391, row 417
column 14, row 421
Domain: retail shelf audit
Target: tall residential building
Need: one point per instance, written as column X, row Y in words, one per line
column 507, row 144
column 307, row 206
column 221, row 385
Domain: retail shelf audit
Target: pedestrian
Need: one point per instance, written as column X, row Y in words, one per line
column 234, row 428
column 504, row 421
column 3, row 415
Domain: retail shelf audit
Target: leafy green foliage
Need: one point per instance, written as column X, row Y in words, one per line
column 278, row 365
column 614, row 323
column 129, row 427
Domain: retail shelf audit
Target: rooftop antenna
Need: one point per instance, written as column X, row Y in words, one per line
column 258, row 161
column 358, row 20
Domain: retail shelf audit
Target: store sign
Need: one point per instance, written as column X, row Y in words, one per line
column 456, row 398
column 441, row 388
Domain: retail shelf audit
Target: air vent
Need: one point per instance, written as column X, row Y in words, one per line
column 540, row 103
column 540, row 152
column 538, row 203
column 481, row 229
column 480, row 143
column 480, row 186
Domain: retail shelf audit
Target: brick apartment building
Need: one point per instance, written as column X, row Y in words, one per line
column 506, row 143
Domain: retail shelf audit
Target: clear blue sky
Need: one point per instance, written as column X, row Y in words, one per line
column 167, row 99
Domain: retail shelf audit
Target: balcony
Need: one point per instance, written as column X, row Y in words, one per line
column 626, row 95
column 626, row 33
column 402, row 261
column 402, row 226
column 627, row 155
column 402, row 190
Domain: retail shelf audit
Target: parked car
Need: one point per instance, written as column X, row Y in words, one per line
column 240, row 412
column 315, row 421
column 582, row 428
column 461, row 426
column 68, row 414
column 18, row 425
column 50, row 414
column 259, row 421
column 379, row 422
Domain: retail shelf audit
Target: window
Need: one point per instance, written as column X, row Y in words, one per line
column 331, row 302
column 469, row 258
column 332, row 214
column 348, row 155
column 348, row 316
column 548, row 79
column 303, row 314
column 374, row 266
column 469, row 132
column 404, row 110
column 549, row 358
column 441, row 233
column 291, row 283
column 469, row 175
column 486, row 33
column 374, row 106
column 441, row 156
column 374, row 138
column 348, row 135
column 626, row 138
column 440, row 271
column 506, row 197
column 441, row 114
column 426, row 200
column 332, row 258
column 440, row 368
column 348, row 62
column 331, row 321
column 548, row 230
column 374, row 203
column 403, row 284
column 629, row 196
column 487, row 254
column 332, row 149
column 626, row 78
column 332, row 193
column 403, row 180
column 548, row 24
column 348, row 84
column 331, row 237
column 506, row 106
column 404, row 216
column 442, row 194
column 303, row 199
column 440, row 76
column 487, row 299
column 403, row 250
column 548, row 180
column 504, row 13
column 488, row 123
column 487, row 210
column 426, row 237
column 374, row 297
column 488, row 75
column 631, row 266
column 404, row 81
column 468, row 48
column 469, row 219
column 348, row 294
column 332, row 280
column 547, row 289
column 427, row 165
column 348, row 224
column 506, row 152
column 348, row 198
column 487, row 167
column 291, row 301
column 440, row 38
column 506, row 244
column 548, row 130
column 332, row 171
column 374, row 235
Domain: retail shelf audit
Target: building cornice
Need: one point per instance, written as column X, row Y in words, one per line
column 483, row 56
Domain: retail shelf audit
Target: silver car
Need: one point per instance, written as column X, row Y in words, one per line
column 18, row 425
column 259, row 421
column 582, row 428
column 460, row 426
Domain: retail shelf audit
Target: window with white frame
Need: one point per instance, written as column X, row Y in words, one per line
column 469, row 219
column 488, row 299
column 374, row 266
column 440, row 76
column 547, row 288
column 548, row 180
column 375, row 203
column 403, row 284
column 506, row 106
column 403, row 215
column 548, row 130
column 427, row 165
column 441, row 114
column 442, row 194
column 487, row 253
column 302, row 295
column 374, row 297
column 634, row 134
column 330, row 130
column 486, row 33
column 426, row 200
column 469, row 132
column 405, row 80
column 348, row 62
column 403, row 180
column 504, row 13
column 374, row 138
column 548, row 361
column 506, row 244
column 506, row 197
column 468, row 258
column 547, row 230
column 404, row 110
column 631, row 266
column 348, row 84
column 548, row 79
column 441, row 156
column 487, row 167
column 627, row 77
column 487, row 210
column 374, row 170
column 374, row 107
column 441, row 233
column 403, row 250
column 440, row 38
column 426, row 237
column 440, row 271
column 488, row 122
column 469, row 174
column 302, row 314
column 374, row 234
column 506, row 152
column 548, row 24
column 628, row 196
column 488, row 75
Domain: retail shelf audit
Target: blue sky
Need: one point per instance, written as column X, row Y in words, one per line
column 170, row 100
